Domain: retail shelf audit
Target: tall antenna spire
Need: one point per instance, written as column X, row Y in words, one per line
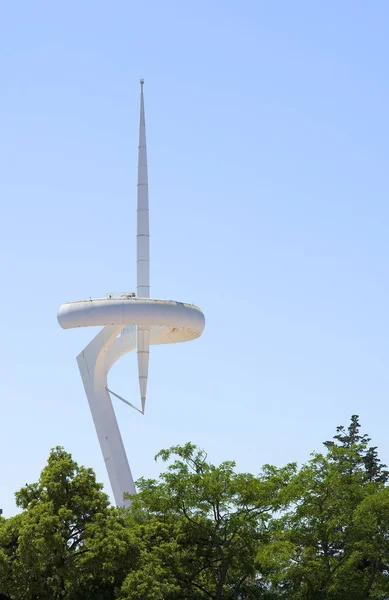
column 142, row 251
column 142, row 229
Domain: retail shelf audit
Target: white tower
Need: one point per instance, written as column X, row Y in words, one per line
column 128, row 322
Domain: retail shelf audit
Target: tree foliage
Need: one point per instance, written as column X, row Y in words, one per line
column 210, row 521
column 320, row 547
column 66, row 540
column 206, row 532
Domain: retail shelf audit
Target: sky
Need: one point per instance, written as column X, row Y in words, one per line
column 268, row 148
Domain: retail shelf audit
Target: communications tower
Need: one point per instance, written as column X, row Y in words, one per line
column 129, row 322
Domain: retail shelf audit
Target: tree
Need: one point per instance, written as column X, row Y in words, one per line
column 199, row 528
column 67, row 542
column 202, row 531
column 371, row 521
column 355, row 451
column 321, row 548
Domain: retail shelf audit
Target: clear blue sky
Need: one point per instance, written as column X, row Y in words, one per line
column 268, row 142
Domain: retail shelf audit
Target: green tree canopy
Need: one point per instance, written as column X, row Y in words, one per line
column 321, row 548
column 204, row 531
column 67, row 541
column 200, row 526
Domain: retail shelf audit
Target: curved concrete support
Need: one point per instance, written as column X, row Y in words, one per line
column 94, row 364
column 97, row 359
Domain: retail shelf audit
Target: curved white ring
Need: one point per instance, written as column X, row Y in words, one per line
column 177, row 322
